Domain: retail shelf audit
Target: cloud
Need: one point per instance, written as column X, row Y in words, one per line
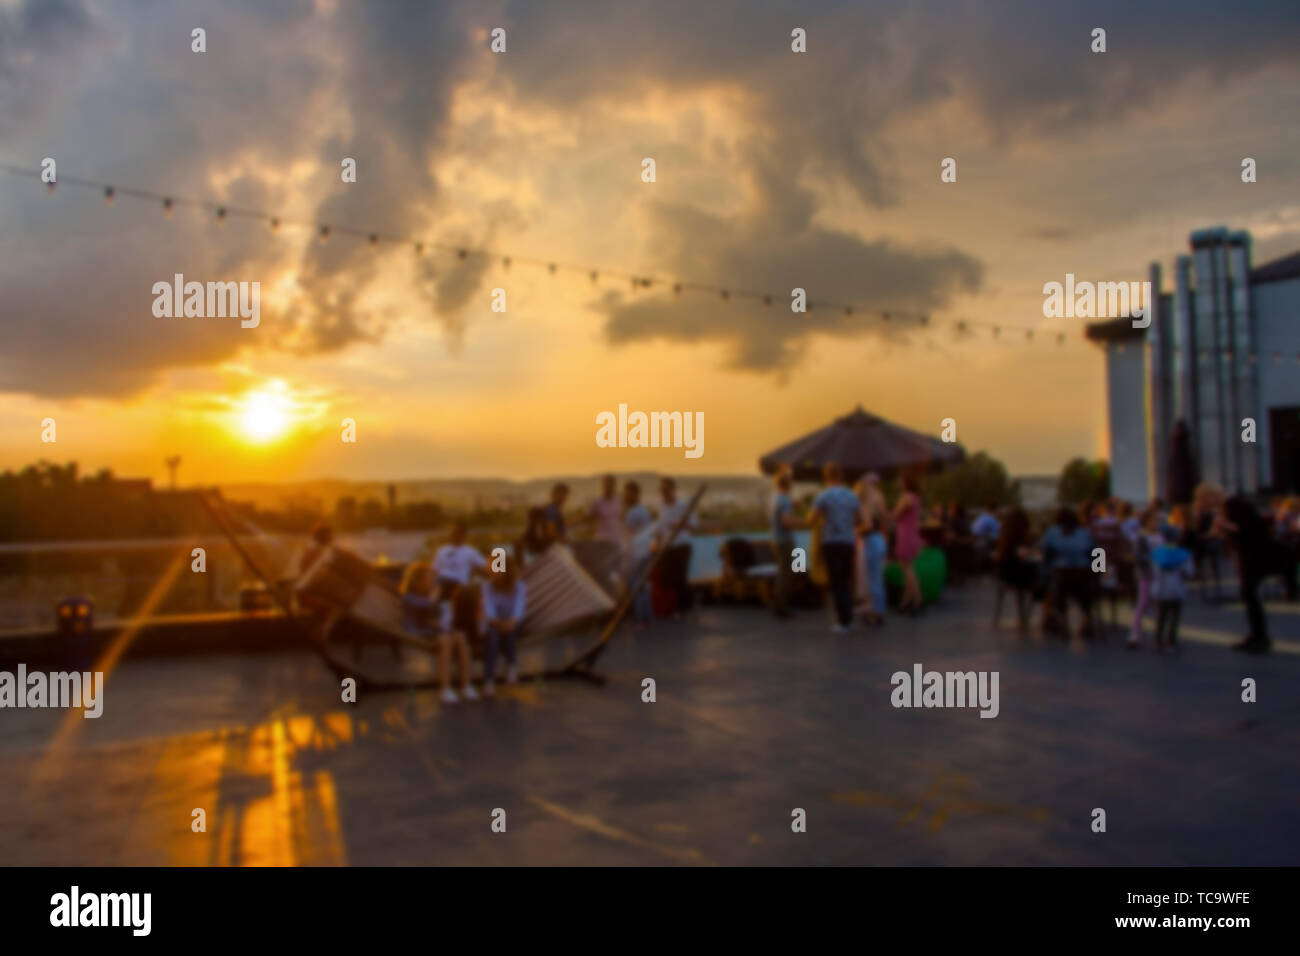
column 290, row 87
column 777, row 245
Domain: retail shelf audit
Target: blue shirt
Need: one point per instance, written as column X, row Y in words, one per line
column 986, row 526
column 840, row 507
column 1061, row 550
column 782, row 505
column 556, row 517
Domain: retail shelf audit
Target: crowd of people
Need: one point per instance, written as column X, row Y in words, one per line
column 1100, row 551
column 1082, row 559
column 851, row 530
column 460, row 596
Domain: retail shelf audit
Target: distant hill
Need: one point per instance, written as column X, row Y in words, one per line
column 457, row 493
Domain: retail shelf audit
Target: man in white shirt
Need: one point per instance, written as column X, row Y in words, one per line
column 606, row 513
column 675, row 567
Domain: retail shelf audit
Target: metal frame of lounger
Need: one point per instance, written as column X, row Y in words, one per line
column 582, row 665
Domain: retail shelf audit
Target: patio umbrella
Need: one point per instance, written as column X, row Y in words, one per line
column 860, row 443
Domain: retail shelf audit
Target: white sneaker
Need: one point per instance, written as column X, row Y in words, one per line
column 512, row 675
column 449, row 697
column 468, row 692
column 490, row 689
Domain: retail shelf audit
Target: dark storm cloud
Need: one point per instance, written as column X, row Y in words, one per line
column 36, row 41
column 1024, row 69
column 119, row 95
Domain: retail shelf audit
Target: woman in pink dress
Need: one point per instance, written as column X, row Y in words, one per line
column 907, row 541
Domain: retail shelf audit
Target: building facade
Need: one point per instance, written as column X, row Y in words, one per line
column 1222, row 355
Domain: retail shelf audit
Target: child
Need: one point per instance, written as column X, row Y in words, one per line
column 1145, row 542
column 505, row 599
column 1171, row 567
column 428, row 613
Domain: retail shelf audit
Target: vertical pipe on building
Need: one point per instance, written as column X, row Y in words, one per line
column 1209, row 391
column 1244, row 360
column 1185, row 349
column 1157, row 375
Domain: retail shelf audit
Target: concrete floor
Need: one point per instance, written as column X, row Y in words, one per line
column 752, row 720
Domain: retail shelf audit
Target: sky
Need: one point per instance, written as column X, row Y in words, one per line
column 774, row 170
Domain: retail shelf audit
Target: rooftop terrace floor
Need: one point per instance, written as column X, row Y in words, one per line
column 753, row 719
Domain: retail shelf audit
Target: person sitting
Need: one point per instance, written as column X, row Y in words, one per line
column 987, row 530
column 1108, row 534
column 1067, row 557
column 427, row 612
column 504, row 601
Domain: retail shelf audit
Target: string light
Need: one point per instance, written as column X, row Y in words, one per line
column 462, row 253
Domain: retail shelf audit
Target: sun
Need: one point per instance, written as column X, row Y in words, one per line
column 264, row 415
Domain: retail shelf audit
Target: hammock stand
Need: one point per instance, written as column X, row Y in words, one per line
column 315, row 630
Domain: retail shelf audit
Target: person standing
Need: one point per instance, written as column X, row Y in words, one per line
column 907, row 542
column 1147, row 539
column 1171, row 567
column 606, row 513
column 638, row 531
column 1248, row 531
column 554, row 513
column 838, row 511
column 784, row 521
column 874, row 545
column 676, row 564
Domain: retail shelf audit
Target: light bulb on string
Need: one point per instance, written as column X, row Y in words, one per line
column 767, row 300
column 848, row 311
column 275, row 224
column 167, row 207
column 374, row 239
column 109, row 194
column 551, row 268
column 461, row 253
column 418, row 249
column 221, row 215
column 49, row 187
column 324, row 233
column 505, row 263
column 726, row 296
column 595, row 276
column 677, row 288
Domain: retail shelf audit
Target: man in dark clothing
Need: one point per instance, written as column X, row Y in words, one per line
column 1256, row 559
